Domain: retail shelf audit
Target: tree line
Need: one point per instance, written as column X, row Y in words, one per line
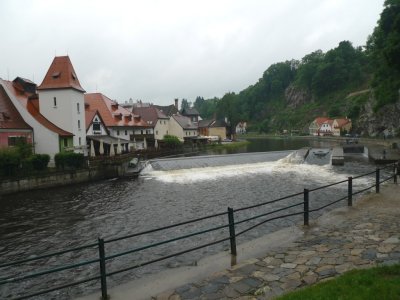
column 323, row 78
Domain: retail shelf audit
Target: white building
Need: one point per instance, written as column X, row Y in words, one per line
column 61, row 100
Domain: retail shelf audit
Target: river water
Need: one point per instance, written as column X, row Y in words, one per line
column 43, row 221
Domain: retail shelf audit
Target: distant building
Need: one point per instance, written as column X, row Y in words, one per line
column 183, row 127
column 120, row 122
column 212, row 128
column 325, row 126
column 241, row 127
column 154, row 118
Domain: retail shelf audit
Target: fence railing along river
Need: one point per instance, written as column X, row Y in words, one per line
column 231, row 225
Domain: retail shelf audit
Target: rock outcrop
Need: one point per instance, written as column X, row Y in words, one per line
column 296, row 97
column 386, row 121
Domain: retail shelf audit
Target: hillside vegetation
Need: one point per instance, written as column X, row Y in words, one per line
column 344, row 81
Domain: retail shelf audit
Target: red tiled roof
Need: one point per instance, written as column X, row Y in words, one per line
column 111, row 112
column 89, row 116
column 321, row 120
column 342, row 122
column 31, row 104
column 149, row 114
column 9, row 115
column 61, row 75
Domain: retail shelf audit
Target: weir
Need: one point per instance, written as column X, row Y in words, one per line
column 169, row 164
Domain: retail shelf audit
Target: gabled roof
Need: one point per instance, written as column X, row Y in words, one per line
column 168, row 110
column 341, row 122
column 10, row 118
column 31, row 103
column 211, row 123
column 320, row 120
column 89, row 117
column 149, row 114
column 61, row 75
column 184, row 122
column 190, row 111
column 329, row 121
column 111, row 112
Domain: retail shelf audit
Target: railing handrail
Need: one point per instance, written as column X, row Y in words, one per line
column 232, row 236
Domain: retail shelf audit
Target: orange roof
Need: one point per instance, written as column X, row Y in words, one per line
column 61, row 75
column 111, row 112
column 31, row 103
column 342, row 122
column 321, row 120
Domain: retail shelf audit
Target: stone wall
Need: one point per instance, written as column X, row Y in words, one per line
column 60, row 178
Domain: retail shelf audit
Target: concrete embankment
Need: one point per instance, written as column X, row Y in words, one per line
column 61, row 178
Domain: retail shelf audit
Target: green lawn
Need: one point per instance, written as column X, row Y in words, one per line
column 380, row 283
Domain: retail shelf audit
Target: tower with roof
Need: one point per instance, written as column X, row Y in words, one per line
column 61, row 99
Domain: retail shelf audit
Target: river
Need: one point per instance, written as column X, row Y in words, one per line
column 43, row 221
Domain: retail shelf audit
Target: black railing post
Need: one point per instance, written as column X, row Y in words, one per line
column 395, row 171
column 306, row 206
column 377, row 180
column 103, row 275
column 350, row 192
column 232, row 234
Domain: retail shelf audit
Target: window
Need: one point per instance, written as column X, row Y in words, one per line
column 79, row 141
column 65, row 143
column 157, row 132
column 55, row 101
column 77, row 108
column 14, row 140
column 79, row 124
column 126, row 132
column 141, row 131
column 117, row 132
column 96, row 127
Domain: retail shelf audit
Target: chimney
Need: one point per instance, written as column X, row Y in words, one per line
column 176, row 103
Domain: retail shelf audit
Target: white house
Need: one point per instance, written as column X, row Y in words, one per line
column 183, row 127
column 61, row 100
column 47, row 138
column 121, row 123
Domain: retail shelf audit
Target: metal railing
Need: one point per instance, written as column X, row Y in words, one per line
column 303, row 209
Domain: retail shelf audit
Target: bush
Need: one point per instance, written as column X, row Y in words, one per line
column 69, row 160
column 39, row 161
column 9, row 161
column 172, row 142
column 24, row 149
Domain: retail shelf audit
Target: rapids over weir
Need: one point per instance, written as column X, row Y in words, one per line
column 168, row 191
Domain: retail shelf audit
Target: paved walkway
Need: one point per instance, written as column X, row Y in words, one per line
column 347, row 238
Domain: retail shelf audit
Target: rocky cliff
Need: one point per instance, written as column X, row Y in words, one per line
column 386, row 121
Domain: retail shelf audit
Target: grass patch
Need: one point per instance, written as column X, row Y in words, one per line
column 375, row 283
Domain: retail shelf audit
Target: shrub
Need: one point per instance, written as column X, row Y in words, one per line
column 69, row 160
column 39, row 161
column 9, row 161
column 172, row 141
column 24, row 149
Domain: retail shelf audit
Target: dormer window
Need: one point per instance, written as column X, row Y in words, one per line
column 56, row 75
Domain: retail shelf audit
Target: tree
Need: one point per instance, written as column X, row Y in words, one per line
column 383, row 48
column 185, row 104
column 228, row 108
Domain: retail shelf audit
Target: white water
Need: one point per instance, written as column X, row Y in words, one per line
column 290, row 166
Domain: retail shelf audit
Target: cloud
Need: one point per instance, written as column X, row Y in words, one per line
column 159, row 50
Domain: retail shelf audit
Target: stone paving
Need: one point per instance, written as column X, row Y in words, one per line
column 347, row 238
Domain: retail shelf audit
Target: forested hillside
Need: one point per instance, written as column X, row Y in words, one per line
column 358, row 82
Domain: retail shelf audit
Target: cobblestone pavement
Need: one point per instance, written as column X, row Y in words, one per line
column 348, row 238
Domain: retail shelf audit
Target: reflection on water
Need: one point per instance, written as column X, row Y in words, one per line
column 49, row 220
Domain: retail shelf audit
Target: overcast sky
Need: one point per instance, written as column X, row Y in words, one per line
column 160, row 50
